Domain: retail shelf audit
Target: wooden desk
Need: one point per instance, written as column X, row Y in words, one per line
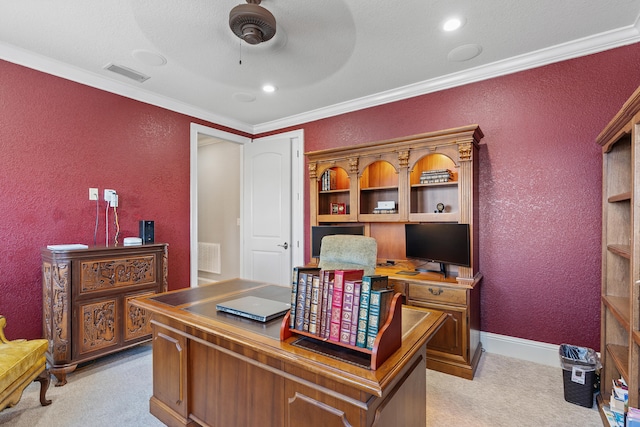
column 216, row 369
column 456, row 347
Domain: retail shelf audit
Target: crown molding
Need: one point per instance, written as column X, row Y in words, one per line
column 37, row 62
column 570, row 50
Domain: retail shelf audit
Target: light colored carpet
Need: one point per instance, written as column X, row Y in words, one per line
column 111, row 391
column 115, row 391
column 504, row 392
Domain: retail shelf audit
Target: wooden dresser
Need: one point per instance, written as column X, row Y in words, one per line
column 86, row 301
column 456, row 348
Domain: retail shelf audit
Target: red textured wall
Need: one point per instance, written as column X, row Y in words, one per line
column 540, row 181
column 539, row 187
column 57, row 139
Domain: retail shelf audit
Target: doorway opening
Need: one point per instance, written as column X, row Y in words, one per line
column 218, row 212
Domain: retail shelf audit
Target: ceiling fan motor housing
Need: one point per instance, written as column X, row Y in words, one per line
column 252, row 22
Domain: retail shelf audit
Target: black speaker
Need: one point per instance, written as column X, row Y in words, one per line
column 146, row 231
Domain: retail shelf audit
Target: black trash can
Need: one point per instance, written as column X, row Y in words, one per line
column 580, row 369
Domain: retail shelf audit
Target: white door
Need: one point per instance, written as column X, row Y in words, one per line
column 267, row 210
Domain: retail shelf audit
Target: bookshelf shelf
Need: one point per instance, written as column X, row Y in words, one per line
column 331, row 218
column 382, row 188
column 436, row 184
column 623, row 197
column 390, row 217
column 622, row 250
column 387, row 341
column 334, row 191
column 619, row 307
column 620, row 356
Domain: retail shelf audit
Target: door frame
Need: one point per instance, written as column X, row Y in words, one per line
column 297, row 192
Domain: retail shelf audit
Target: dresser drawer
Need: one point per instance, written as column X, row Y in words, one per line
column 435, row 293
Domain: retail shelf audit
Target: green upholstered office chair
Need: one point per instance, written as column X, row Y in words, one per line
column 348, row 252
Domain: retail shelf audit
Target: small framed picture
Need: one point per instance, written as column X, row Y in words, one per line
column 338, row 209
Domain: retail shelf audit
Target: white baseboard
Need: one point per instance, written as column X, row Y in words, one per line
column 204, row 281
column 532, row 351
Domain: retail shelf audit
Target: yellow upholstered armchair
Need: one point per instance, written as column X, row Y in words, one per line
column 348, row 252
column 21, row 362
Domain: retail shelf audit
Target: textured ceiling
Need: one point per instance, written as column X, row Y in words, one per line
column 327, row 56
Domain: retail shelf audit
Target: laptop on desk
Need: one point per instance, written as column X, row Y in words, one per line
column 256, row 308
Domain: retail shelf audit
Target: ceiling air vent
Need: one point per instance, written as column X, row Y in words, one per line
column 127, row 72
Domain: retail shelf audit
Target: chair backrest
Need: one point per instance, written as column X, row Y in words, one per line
column 346, row 252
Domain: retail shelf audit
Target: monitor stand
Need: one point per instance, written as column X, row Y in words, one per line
column 442, row 270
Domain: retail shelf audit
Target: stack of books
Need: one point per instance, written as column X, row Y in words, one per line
column 328, row 180
column 619, row 401
column 437, row 175
column 385, row 207
column 384, row 210
column 618, row 408
column 343, row 306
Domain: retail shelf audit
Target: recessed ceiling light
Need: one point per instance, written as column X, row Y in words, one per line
column 149, row 58
column 269, row 88
column 465, row 52
column 452, row 24
column 244, row 97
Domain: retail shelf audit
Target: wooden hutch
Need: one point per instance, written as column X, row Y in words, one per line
column 346, row 185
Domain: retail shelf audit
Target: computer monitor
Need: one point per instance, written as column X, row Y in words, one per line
column 441, row 242
column 319, row 231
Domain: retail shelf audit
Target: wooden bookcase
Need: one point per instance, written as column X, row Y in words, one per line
column 620, row 309
column 390, row 170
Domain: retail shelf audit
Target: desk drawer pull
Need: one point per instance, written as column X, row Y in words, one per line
column 432, row 293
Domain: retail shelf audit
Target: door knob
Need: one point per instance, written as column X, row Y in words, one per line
column 285, row 246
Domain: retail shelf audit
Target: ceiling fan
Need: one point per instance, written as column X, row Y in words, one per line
column 252, row 23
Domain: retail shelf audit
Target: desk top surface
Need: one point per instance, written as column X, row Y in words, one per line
column 403, row 273
column 195, row 308
column 202, row 301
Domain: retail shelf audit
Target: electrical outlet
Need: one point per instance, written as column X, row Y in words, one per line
column 93, row 194
column 111, row 197
column 108, row 194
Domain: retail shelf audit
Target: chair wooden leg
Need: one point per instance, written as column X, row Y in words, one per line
column 43, row 378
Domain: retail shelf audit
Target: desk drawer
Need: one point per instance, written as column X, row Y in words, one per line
column 435, row 293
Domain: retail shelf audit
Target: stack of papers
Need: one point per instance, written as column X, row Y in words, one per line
column 67, row 247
